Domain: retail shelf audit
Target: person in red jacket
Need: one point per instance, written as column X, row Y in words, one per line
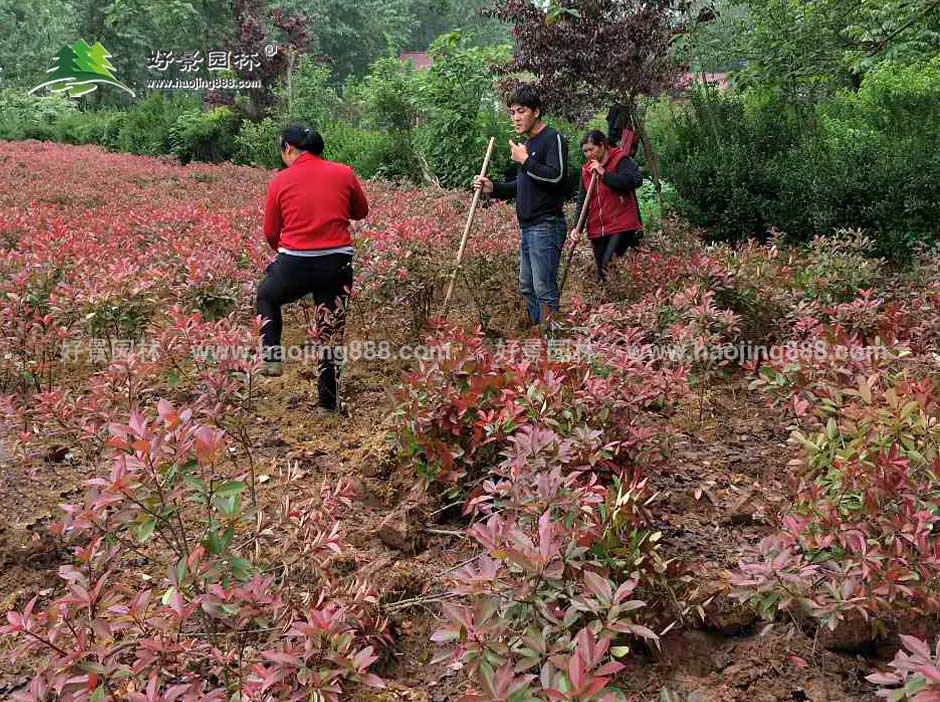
column 306, row 221
column 613, row 220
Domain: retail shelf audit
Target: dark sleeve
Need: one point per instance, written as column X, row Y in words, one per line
column 553, row 171
column 504, row 191
column 625, row 177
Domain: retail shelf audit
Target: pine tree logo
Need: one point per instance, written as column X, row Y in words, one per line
column 79, row 68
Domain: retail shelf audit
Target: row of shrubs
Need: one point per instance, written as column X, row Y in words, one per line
column 396, row 123
column 156, row 125
column 166, row 124
column 744, row 163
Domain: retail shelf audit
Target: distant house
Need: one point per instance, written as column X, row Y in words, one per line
column 420, row 59
column 719, row 80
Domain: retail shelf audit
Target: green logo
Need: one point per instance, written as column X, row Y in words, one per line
column 79, row 68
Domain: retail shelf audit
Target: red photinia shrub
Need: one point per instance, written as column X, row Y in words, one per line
column 834, row 267
column 860, row 537
column 701, row 332
column 925, row 333
column 549, row 594
column 857, row 539
column 915, row 676
column 407, row 251
column 455, row 414
column 30, row 346
column 188, row 583
column 170, row 511
column 211, row 364
column 565, row 531
column 867, row 317
column 764, row 284
column 114, row 258
column 109, row 260
column 648, row 270
column 819, row 362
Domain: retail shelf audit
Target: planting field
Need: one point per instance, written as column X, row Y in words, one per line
column 746, row 511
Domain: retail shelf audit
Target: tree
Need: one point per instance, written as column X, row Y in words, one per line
column 436, row 17
column 389, row 94
column 586, row 54
column 252, row 36
column 808, row 48
column 352, row 34
column 29, row 33
column 307, row 97
column 457, row 102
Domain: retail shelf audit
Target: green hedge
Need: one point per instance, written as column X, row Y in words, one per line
column 147, row 127
column 744, row 163
column 257, row 144
column 25, row 116
column 199, row 135
column 102, row 127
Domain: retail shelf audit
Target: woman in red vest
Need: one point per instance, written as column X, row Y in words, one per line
column 306, row 220
column 613, row 221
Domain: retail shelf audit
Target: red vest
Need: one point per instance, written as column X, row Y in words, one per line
column 610, row 210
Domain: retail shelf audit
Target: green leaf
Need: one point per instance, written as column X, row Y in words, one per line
column 168, row 595
column 227, row 505
column 226, row 498
column 227, row 537
column 233, row 487
column 213, row 543
column 194, row 482
column 242, row 569
column 145, row 530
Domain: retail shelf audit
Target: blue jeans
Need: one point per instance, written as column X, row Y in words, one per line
column 539, row 256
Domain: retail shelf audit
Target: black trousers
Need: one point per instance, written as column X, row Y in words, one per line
column 287, row 279
column 617, row 244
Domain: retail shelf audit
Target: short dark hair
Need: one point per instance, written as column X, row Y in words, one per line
column 596, row 137
column 525, row 96
column 302, row 137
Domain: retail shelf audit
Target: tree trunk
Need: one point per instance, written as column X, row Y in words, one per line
column 290, row 90
column 652, row 159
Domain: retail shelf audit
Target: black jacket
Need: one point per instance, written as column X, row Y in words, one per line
column 541, row 184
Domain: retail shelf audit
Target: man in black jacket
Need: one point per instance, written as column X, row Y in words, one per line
column 540, row 190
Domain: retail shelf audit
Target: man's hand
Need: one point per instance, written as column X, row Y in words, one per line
column 597, row 168
column 575, row 236
column 519, row 152
column 483, row 183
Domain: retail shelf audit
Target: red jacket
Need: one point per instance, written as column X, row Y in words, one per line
column 613, row 206
column 310, row 203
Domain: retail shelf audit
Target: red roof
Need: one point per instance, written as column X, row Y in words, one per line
column 717, row 79
column 420, row 59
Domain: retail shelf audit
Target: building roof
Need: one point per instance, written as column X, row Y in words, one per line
column 720, row 80
column 420, row 59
